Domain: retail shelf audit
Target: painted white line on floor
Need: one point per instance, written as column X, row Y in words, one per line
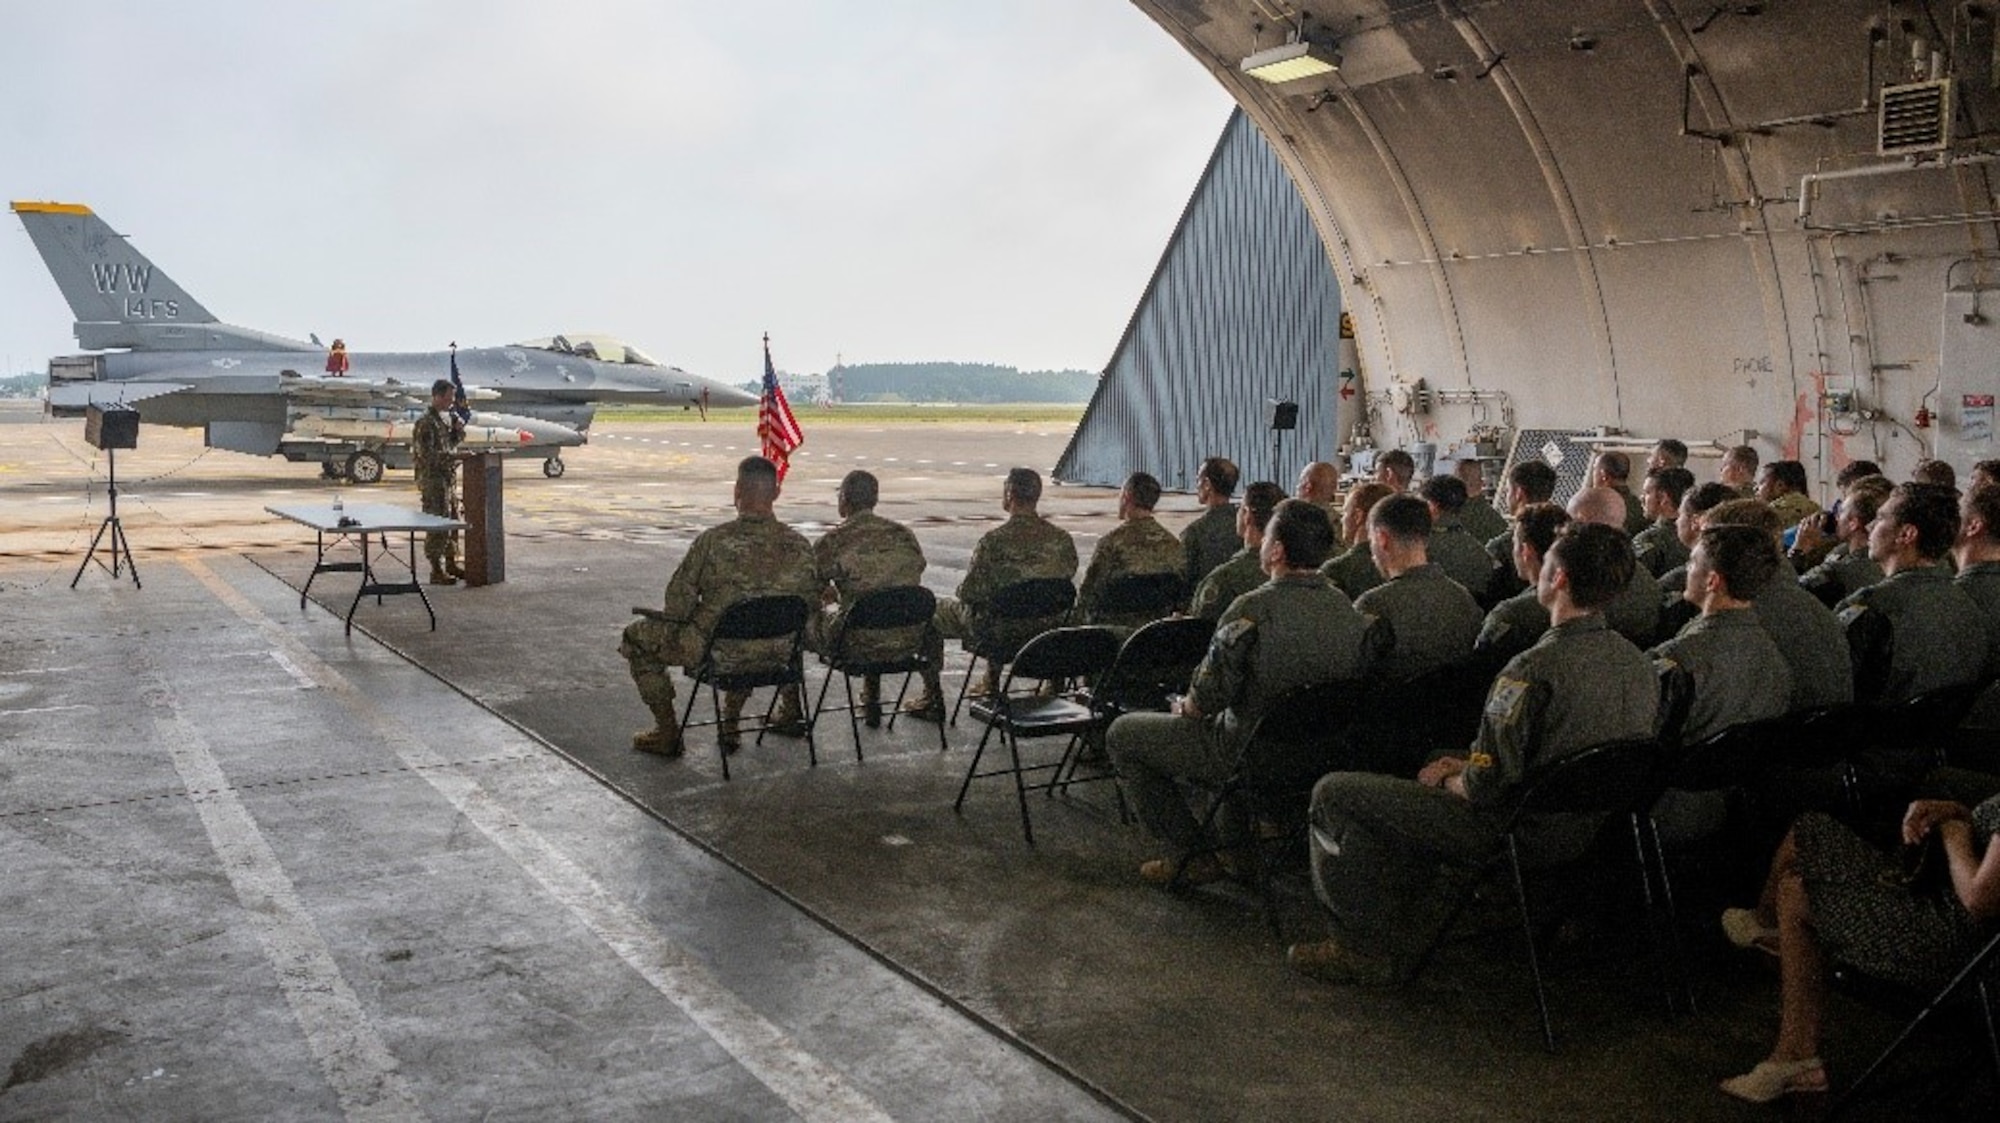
column 40, row 671
column 299, row 676
column 813, row 1088
column 364, row 1075
column 44, row 710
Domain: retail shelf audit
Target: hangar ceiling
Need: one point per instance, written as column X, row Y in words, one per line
column 1670, row 218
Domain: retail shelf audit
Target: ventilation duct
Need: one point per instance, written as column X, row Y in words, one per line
column 1915, row 118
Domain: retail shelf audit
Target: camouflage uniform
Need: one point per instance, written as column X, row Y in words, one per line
column 1375, row 839
column 1427, row 620
column 1913, row 633
column 1462, row 557
column 1981, row 582
column 1845, row 571
column 1139, row 545
column 1794, row 508
column 749, row 556
column 865, row 553
column 1025, row 546
column 1208, row 542
column 1481, row 520
column 1353, row 572
column 1226, row 582
column 431, row 443
column 1291, row 632
column 1659, row 549
column 1810, row 639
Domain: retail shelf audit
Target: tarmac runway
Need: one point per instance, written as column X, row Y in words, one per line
column 255, row 868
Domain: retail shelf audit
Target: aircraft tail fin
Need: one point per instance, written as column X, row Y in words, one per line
column 104, row 279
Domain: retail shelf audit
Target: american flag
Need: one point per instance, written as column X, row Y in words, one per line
column 776, row 427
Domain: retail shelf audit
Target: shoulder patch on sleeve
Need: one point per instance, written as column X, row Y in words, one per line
column 1234, row 632
column 1665, row 664
column 1851, row 613
column 1505, row 697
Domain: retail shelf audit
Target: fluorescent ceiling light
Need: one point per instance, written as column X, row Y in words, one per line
column 1291, row 61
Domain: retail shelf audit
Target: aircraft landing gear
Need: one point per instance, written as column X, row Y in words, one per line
column 364, row 467
column 553, row 467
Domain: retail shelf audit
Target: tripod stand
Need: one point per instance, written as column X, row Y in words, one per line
column 117, row 529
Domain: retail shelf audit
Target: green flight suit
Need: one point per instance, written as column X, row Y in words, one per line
column 1513, row 626
column 1659, row 547
column 1844, row 572
column 1480, row 519
column 1981, row 582
column 1912, row 633
column 1810, row 639
column 1427, row 621
column 1293, row 631
column 1376, row 841
column 1209, row 541
column 1353, row 572
column 1225, row 583
column 1462, row 557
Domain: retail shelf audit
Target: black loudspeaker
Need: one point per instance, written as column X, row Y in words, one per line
column 112, row 426
column 1282, row 416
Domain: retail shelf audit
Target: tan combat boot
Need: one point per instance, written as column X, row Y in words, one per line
column 789, row 719
column 929, row 705
column 662, row 740
column 440, row 577
column 726, row 731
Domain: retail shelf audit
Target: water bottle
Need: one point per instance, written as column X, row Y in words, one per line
column 337, row 508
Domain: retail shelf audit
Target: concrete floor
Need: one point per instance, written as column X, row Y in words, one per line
column 254, row 868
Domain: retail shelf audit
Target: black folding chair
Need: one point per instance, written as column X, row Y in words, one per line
column 1616, row 778
column 1298, row 738
column 855, row 648
column 1737, row 758
column 1011, row 620
column 1139, row 598
column 730, row 660
column 1977, row 974
column 1154, row 663
column 1054, row 656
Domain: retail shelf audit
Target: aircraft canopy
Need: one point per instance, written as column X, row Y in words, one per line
column 603, row 348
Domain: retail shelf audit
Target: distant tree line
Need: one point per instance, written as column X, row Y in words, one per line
column 23, row 385
column 958, row 382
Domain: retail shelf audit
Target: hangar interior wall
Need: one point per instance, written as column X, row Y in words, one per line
column 1244, row 309
column 1671, row 219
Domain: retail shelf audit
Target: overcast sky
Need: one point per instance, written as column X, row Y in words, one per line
column 881, row 180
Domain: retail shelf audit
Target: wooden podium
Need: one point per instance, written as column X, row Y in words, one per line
column 485, row 518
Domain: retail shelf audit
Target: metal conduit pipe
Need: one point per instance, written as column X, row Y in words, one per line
column 1811, row 180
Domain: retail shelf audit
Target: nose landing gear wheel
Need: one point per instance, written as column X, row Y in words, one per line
column 364, row 467
column 553, row 467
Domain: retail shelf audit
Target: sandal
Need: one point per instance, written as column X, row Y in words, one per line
column 1745, row 930
column 1772, row 1079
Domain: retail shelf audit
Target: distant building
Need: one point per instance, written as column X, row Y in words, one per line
column 1244, row 309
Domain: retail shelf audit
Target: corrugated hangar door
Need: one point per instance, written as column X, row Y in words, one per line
column 1243, row 310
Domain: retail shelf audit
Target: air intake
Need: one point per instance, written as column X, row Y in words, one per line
column 1915, row 118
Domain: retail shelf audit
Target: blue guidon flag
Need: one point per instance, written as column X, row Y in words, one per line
column 777, row 429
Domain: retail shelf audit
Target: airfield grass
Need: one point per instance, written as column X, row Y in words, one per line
column 876, row 414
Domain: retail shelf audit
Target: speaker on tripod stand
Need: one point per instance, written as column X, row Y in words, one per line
column 110, row 428
column 1282, row 417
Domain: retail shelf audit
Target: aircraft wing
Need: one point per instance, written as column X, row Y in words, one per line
column 78, row 395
